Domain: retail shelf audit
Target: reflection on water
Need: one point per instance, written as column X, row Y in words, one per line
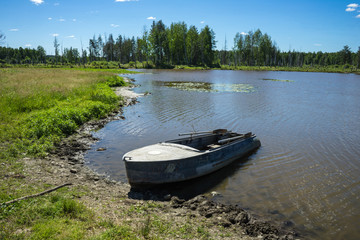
column 308, row 168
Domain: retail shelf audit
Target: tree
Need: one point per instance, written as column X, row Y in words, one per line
column 56, row 46
column 159, row 42
column 207, row 45
column 109, row 48
column 118, row 47
column 71, row 55
column 93, row 49
column 256, row 41
column 84, row 56
column 100, row 47
column 345, row 55
column 239, row 44
column 145, row 45
column 192, row 45
column 177, row 43
column 265, row 50
column 41, row 54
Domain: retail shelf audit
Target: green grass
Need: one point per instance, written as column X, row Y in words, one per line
column 56, row 216
column 38, row 106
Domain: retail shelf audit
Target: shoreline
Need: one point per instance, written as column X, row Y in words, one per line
column 66, row 165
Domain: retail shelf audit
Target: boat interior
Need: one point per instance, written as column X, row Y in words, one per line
column 210, row 140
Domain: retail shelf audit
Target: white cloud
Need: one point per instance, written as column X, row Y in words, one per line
column 71, row 36
column 126, row 0
column 350, row 9
column 358, row 16
column 14, row 30
column 114, row 25
column 37, row 2
column 202, row 22
column 244, row 33
column 55, row 34
column 62, row 20
column 353, row 5
column 50, row 18
column 151, row 18
column 74, row 20
column 27, row 45
column 317, row 44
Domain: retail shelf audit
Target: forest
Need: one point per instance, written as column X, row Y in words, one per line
column 168, row 46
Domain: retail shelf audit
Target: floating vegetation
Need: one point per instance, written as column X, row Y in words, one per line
column 277, row 80
column 208, row 87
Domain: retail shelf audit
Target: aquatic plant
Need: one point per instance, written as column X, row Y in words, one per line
column 277, row 80
column 209, row 87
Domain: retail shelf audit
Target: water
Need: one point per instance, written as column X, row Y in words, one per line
column 308, row 168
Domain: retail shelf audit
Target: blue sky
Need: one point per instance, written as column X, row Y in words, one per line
column 307, row 25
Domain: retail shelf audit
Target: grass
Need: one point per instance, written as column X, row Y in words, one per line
column 56, row 216
column 59, row 216
column 40, row 106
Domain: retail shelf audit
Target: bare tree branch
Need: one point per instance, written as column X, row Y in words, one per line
column 38, row 194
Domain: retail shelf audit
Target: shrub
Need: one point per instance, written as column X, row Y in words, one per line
column 115, row 81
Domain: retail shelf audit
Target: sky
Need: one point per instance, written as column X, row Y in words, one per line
column 306, row 25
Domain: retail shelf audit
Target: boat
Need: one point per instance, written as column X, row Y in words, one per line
column 197, row 154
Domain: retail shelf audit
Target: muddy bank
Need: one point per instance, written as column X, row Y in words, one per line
column 226, row 216
column 66, row 165
column 233, row 216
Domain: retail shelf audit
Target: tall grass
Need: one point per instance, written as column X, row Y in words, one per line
column 40, row 106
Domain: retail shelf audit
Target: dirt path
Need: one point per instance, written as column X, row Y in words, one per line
column 110, row 199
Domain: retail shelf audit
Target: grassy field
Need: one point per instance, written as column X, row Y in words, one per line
column 39, row 106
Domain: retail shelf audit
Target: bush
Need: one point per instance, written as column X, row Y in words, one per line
column 115, row 81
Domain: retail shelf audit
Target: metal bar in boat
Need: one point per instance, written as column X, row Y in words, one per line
column 217, row 131
column 195, row 133
column 231, row 139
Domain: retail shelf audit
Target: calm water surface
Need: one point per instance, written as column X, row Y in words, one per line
column 308, row 168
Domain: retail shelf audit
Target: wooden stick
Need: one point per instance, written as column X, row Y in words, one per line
column 38, row 194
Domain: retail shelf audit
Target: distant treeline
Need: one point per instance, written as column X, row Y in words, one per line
column 177, row 44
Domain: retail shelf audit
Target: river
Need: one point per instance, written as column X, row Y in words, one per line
column 307, row 171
